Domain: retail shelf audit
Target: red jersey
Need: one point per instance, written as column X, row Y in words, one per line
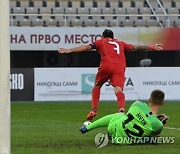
column 112, row 50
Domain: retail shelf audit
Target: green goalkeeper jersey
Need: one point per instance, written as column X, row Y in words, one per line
column 138, row 122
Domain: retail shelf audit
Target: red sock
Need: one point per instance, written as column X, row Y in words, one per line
column 121, row 99
column 95, row 97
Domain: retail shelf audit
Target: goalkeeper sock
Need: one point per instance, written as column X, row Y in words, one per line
column 121, row 100
column 95, row 97
column 102, row 122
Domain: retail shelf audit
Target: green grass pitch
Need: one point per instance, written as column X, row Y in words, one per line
column 53, row 128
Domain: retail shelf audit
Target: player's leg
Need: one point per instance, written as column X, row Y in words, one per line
column 115, row 128
column 102, row 122
column 117, row 80
column 95, row 100
column 101, row 78
column 120, row 98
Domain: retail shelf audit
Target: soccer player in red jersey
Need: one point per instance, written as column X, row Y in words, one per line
column 112, row 66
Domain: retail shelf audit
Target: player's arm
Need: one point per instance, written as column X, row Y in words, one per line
column 163, row 118
column 76, row 49
column 156, row 47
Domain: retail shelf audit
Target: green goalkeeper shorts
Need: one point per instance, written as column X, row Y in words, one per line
column 115, row 126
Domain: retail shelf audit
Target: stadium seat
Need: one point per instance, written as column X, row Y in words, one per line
column 70, row 10
column 88, row 3
column 58, row 10
column 59, row 17
column 25, row 22
column 96, row 17
column 77, row 3
column 145, row 10
column 172, row 10
column 127, row 22
column 107, row 10
column 102, row 23
column 75, row 22
column 50, row 4
column 51, row 22
column 101, row 4
column 154, row 4
column 114, row 3
column 37, row 3
column 159, row 10
column 22, row 3
column 61, row 23
column 38, row 22
column 152, row 23
column 166, row 3
column 45, row 10
column 132, row 10
column 90, row 22
column 120, row 10
column 139, row 3
column 83, row 10
column 32, row 10
column 126, row 4
column 95, row 11
column 18, row 17
column 18, row 10
column 140, row 23
column 112, row 23
column 12, row 4
column 85, row 17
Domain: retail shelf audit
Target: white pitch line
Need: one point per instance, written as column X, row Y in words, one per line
column 172, row 128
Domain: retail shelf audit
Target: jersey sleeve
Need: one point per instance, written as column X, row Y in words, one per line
column 96, row 44
column 127, row 46
column 157, row 127
column 93, row 45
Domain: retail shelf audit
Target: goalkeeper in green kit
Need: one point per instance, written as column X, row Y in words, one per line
column 141, row 120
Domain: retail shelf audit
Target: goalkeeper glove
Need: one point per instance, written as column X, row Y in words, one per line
column 163, row 118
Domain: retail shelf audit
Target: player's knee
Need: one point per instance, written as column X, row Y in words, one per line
column 117, row 89
column 98, row 84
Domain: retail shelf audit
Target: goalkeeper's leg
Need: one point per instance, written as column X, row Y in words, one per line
column 102, row 122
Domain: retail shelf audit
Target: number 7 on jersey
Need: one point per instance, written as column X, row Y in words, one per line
column 117, row 49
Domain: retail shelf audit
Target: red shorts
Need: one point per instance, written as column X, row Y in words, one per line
column 113, row 72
